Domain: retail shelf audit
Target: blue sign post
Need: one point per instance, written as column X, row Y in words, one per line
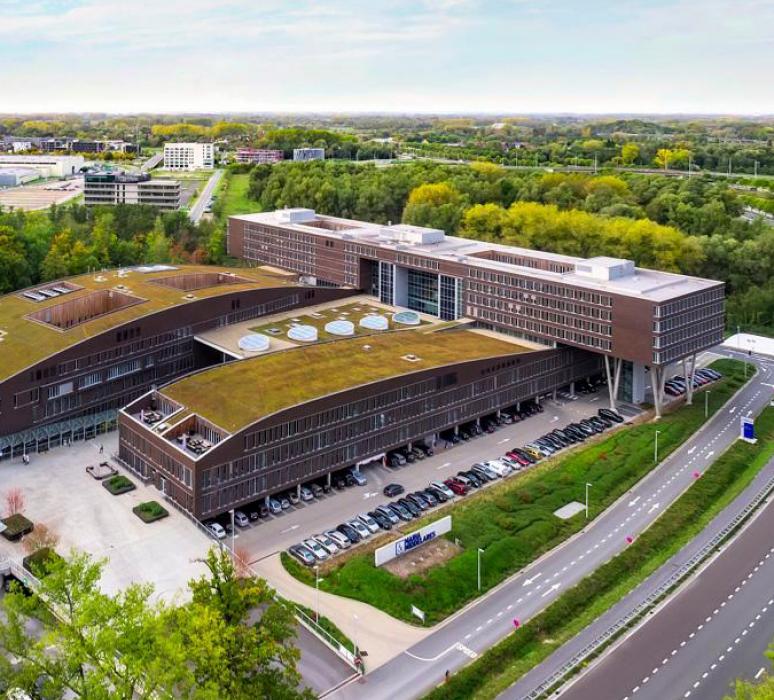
column 747, row 430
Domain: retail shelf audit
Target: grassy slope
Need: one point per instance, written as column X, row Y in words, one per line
column 234, row 197
column 514, row 522
column 506, row 662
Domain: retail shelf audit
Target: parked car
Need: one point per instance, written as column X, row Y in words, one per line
column 518, row 458
column 424, row 448
column 418, row 454
column 392, row 490
column 306, row 493
column 456, row 486
column 359, row 477
column 259, row 510
column 327, row 543
column 440, row 495
column 217, row 530
column 241, row 519
column 384, row 522
column 498, row 467
column 316, row 489
column 349, row 532
column 339, row 538
column 486, row 470
column 292, row 496
column 430, row 498
column 358, row 526
column 275, row 506
column 443, row 488
column 612, row 415
column 396, row 459
column 369, row 522
column 316, row 548
column 400, row 511
column 302, row 554
column 388, row 513
column 410, row 506
column 418, row 501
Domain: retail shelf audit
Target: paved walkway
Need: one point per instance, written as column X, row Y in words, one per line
column 374, row 631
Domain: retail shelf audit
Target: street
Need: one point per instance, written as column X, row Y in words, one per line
column 196, row 211
column 487, row 620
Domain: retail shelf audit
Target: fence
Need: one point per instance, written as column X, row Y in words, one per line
column 627, row 621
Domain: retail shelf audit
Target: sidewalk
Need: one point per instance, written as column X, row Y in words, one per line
column 374, row 631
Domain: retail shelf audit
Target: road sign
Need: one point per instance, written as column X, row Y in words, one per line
column 747, row 429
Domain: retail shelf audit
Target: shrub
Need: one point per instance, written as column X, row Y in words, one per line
column 38, row 562
column 150, row 511
column 16, row 526
column 118, row 484
column 41, row 538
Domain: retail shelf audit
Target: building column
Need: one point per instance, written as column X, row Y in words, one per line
column 328, row 477
column 298, row 491
column 689, row 369
column 656, row 380
column 572, row 388
column 613, row 379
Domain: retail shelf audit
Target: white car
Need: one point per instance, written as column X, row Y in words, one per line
column 369, row 522
column 217, row 530
column 327, row 543
column 241, row 519
column 361, row 529
column 316, row 548
column 443, row 488
column 306, row 493
column 498, row 467
column 341, row 541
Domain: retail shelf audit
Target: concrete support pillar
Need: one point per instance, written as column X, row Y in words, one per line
column 657, row 383
column 689, row 369
column 456, row 429
column 266, row 500
column 553, row 395
column 613, row 374
column 298, row 491
column 328, row 478
column 572, row 388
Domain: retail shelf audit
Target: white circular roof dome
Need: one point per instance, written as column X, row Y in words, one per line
column 375, row 322
column 254, row 342
column 406, row 318
column 340, row 328
column 306, row 334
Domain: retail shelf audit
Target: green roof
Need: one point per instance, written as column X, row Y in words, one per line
column 25, row 342
column 237, row 394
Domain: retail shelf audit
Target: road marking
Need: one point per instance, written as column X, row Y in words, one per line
column 692, row 450
column 370, row 494
column 633, row 502
column 554, row 419
column 761, row 671
column 529, row 581
column 655, row 506
column 465, row 650
column 553, row 588
column 709, row 454
column 732, row 409
column 290, row 529
column 500, row 442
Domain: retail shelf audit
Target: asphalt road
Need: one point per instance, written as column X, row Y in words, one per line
column 715, row 630
column 196, row 211
column 321, row 669
column 487, row 620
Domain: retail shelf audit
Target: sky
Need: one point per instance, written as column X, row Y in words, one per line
column 435, row 56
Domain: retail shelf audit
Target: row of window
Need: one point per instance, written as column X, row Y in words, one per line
column 689, row 317
column 690, row 302
column 709, row 326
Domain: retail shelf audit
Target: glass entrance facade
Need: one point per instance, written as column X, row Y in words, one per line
column 423, row 292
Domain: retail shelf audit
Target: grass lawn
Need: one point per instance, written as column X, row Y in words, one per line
column 513, row 521
column 506, row 662
column 150, row 511
column 118, row 484
column 233, row 197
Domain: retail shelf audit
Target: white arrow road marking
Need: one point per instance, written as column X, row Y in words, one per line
column 633, row 502
column 529, row 581
column 444, row 465
column 692, row 450
column 370, row 494
column 503, row 440
column 655, row 506
column 732, row 409
column 290, row 529
column 553, row 588
column 709, row 454
column 554, row 419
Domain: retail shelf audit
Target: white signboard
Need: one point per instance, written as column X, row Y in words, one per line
column 412, row 541
column 418, row 613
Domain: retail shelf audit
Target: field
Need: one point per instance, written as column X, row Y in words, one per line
column 514, row 522
column 233, row 196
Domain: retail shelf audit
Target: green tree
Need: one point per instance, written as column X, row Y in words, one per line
column 158, row 248
column 436, row 205
column 56, row 264
column 630, row 153
column 14, row 268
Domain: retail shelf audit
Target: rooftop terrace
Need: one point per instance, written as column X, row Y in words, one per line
column 237, row 394
column 36, row 325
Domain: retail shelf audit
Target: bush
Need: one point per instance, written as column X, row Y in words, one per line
column 118, row 484
column 16, row 526
column 150, row 511
column 38, row 562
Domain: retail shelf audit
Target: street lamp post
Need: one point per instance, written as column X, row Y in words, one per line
column 233, row 536
column 588, row 485
column 706, row 403
column 655, row 449
column 478, row 556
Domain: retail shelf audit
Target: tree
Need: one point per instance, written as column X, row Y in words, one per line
column 630, row 153
column 436, row 205
column 14, row 501
column 157, row 245
column 56, row 264
column 14, row 268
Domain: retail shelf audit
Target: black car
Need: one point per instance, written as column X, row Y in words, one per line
column 392, row 490
column 408, row 455
column 418, row 501
column 612, row 415
column 429, row 496
column 381, row 520
column 349, row 532
column 418, row 454
column 258, row 511
column 410, row 506
column 480, row 473
column 400, row 510
column 563, row 439
column 465, row 435
column 424, row 448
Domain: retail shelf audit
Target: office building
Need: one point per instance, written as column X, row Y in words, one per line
column 189, row 156
column 74, row 351
column 13, row 177
column 308, row 154
column 258, row 155
column 639, row 321
column 117, row 187
column 47, row 166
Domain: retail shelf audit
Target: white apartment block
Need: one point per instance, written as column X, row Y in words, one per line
column 189, row 156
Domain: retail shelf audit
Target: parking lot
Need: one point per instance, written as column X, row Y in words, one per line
column 40, row 195
column 264, row 537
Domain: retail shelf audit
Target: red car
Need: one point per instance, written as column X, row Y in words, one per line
column 516, row 457
column 457, row 486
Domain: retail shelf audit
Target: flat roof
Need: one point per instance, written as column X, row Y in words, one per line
column 653, row 285
column 239, row 393
column 25, row 342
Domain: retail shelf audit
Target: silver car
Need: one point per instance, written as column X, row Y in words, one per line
column 341, row 541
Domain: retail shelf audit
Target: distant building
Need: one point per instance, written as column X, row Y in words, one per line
column 258, row 155
column 117, row 146
column 308, row 154
column 50, row 144
column 47, row 166
column 116, row 187
column 13, row 177
column 189, row 156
